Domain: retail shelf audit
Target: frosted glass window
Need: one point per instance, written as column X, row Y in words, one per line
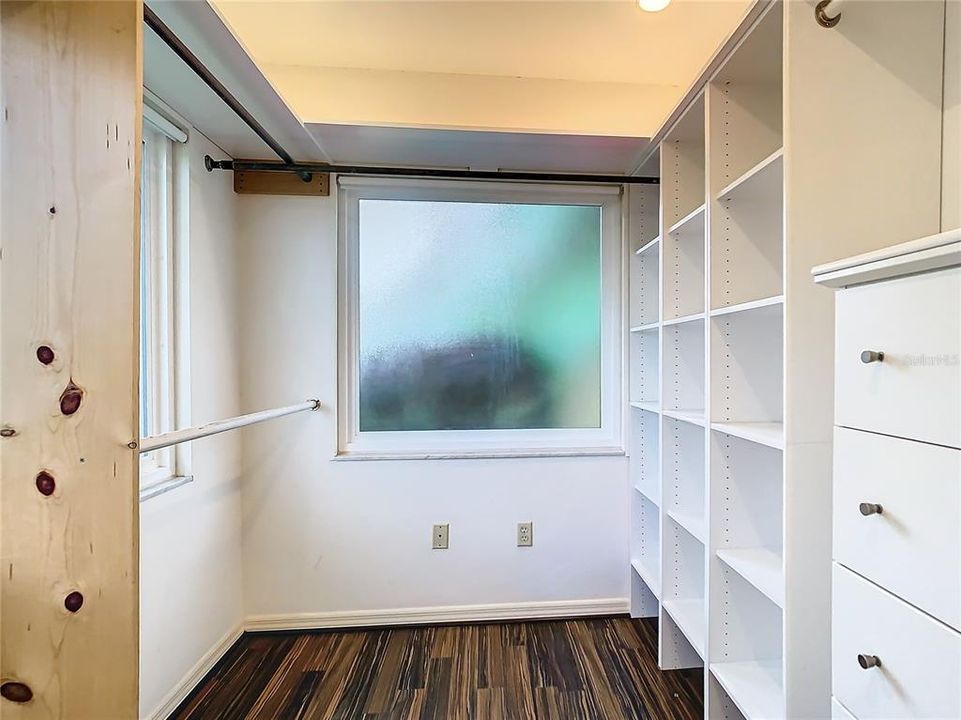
column 478, row 316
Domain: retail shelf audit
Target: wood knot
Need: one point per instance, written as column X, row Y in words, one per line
column 45, row 483
column 16, row 692
column 7, row 432
column 70, row 399
column 45, row 354
column 74, row 601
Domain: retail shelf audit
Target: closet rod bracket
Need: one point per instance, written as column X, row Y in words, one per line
column 821, row 13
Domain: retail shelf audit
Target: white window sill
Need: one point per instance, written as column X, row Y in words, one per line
column 351, row 455
column 159, row 487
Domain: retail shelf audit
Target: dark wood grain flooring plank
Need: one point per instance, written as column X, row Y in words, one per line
column 591, row 669
column 387, row 681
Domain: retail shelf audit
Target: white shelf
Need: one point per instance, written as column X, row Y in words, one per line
column 755, row 687
column 645, row 328
column 764, row 177
column 685, row 319
column 762, row 433
column 652, row 406
column 688, row 615
column 768, row 302
column 694, row 417
column 690, row 218
column 690, row 523
column 648, row 246
column 648, row 496
column 649, row 575
column 761, row 567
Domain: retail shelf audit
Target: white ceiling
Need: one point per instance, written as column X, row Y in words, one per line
column 591, row 67
column 583, row 40
column 585, row 44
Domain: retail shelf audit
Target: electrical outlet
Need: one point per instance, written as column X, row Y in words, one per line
column 441, row 536
column 525, row 534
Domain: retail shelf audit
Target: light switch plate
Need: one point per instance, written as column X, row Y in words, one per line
column 525, row 534
column 441, row 537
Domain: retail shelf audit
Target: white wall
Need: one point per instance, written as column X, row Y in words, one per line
column 323, row 536
column 347, row 96
column 951, row 149
column 190, row 566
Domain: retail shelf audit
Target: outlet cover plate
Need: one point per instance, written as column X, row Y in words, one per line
column 525, row 534
column 441, row 537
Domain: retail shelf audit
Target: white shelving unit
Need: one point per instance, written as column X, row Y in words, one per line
column 765, row 171
column 642, row 231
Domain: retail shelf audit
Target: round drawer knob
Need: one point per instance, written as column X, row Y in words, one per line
column 870, row 509
column 870, row 356
column 869, row 661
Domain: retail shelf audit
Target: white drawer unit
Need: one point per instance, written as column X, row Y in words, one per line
column 890, row 660
column 838, row 712
column 897, row 357
column 897, row 518
column 896, row 596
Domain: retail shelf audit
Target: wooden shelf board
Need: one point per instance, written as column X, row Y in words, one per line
column 762, row 433
column 761, row 567
column 684, row 319
column 653, row 406
column 690, row 523
column 646, row 328
column 650, row 244
column 649, row 575
column 647, row 496
column 755, row 687
column 695, row 417
column 688, row 615
column 775, row 301
column 759, row 176
column 691, row 217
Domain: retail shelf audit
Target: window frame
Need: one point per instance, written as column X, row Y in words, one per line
column 440, row 444
column 164, row 238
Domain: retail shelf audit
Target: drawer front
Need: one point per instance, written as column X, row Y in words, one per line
column 838, row 712
column 913, row 391
column 913, row 546
column 920, row 659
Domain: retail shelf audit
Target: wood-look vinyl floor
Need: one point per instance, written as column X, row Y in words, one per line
column 590, row 669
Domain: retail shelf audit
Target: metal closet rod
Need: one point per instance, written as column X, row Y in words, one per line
column 447, row 173
column 304, row 170
column 155, row 442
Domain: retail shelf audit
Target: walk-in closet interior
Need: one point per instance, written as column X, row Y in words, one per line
column 483, row 360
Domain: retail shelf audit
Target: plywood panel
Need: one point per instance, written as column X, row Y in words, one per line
column 250, row 182
column 71, row 81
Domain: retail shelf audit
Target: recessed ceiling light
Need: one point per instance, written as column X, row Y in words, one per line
column 653, row 5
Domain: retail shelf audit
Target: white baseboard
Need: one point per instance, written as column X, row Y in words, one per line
column 193, row 677
column 439, row 615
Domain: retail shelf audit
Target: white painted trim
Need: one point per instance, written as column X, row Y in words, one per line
column 162, row 124
column 934, row 252
column 498, row 192
column 197, row 673
column 439, row 615
column 164, row 118
column 614, row 451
